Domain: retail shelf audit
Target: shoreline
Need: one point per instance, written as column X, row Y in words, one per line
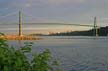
column 13, row 37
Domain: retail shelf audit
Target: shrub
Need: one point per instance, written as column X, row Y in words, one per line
column 16, row 60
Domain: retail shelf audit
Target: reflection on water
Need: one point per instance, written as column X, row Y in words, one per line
column 75, row 53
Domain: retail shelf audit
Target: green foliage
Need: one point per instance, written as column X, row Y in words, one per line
column 16, row 60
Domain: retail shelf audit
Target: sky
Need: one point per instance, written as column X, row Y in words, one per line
column 55, row 11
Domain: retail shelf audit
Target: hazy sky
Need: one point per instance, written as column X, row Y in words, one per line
column 66, row 11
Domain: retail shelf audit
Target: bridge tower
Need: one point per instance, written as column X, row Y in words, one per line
column 20, row 23
column 95, row 27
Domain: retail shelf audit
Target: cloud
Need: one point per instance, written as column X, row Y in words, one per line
column 58, row 10
column 52, row 2
column 65, row 1
column 30, row 3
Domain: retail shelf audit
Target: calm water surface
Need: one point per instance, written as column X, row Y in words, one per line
column 75, row 53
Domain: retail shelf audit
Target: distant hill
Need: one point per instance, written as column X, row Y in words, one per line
column 102, row 31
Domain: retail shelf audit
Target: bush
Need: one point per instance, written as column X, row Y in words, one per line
column 16, row 60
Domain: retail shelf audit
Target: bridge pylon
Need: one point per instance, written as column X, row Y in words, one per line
column 20, row 23
column 95, row 27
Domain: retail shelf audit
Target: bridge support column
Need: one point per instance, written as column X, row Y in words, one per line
column 20, row 23
column 95, row 27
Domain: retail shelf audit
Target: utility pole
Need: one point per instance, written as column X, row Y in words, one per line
column 20, row 23
column 95, row 27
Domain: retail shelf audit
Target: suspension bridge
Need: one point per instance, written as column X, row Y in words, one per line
column 20, row 35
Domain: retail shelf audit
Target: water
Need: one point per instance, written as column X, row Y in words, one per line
column 75, row 53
